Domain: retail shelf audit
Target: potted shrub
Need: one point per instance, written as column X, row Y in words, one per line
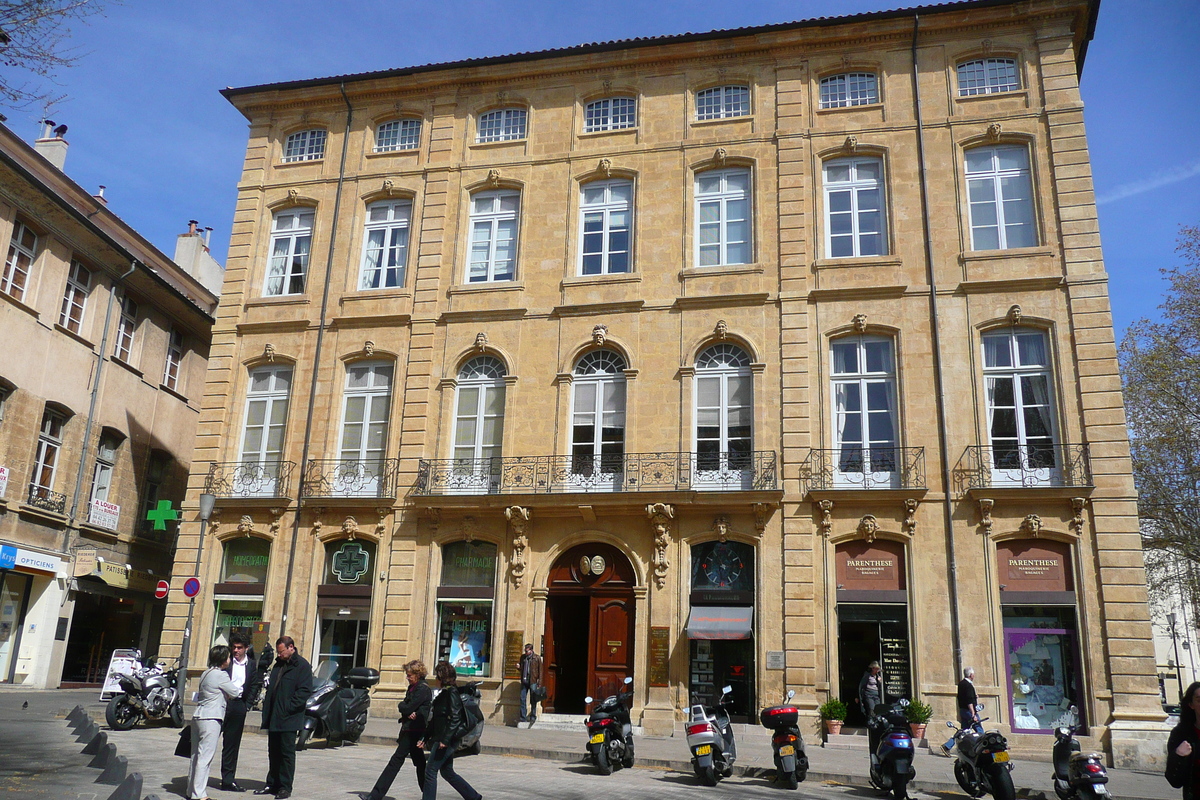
column 833, row 711
column 918, row 715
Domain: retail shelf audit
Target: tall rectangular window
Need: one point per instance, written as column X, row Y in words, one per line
column 305, row 146
column 493, row 254
column 22, row 250
column 399, row 134
column 364, row 429
column 1000, row 193
column 854, row 217
column 502, row 125
column 106, row 461
column 605, row 218
column 45, row 459
column 849, row 89
column 291, row 238
column 385, row 250
column 79, row 283
column 174, row 359
column 126, row 329
column 610, row 114
column 262, row 432
column 1019, row 383
column 864, row 407
column 723, row 217
column 720, row 102
column 988, row 76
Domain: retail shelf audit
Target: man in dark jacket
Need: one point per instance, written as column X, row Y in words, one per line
column 531, row 676
column 968, row 713
column 244, row 672
column 283, row 715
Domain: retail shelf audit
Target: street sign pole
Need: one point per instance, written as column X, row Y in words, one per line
column 207, row 502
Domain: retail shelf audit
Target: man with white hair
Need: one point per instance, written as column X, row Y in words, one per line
column 968, row 713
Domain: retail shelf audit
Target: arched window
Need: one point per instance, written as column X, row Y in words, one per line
column 720, row 102
column 724, row 412
column 598, row 416
column 610, row 114
column 864, row 409
column 605, row 216
column 385, row 245
column 398, row 134
column 291, row 239
column 988, row 76
column 502, row 125
column 1020, row 410
column 1000, row 192
column 849, row 89
column 479, row 414
column 368, row 398
column 262, row 434
column 305, row 146
column 854, row 219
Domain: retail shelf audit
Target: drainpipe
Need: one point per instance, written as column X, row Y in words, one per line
column 938, row 377
column 95, row 397
column 312, row 391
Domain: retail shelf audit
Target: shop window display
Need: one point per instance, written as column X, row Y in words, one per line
column 465, row 606
column 246, row 561
column 1042, row 667
column 236, row 616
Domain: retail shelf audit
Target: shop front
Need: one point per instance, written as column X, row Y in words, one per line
column 872, row 620
column 720, row 627
column 344, row 604
column 1041, row 643
column 115, row 609
column 240, row 594
column 30, row 599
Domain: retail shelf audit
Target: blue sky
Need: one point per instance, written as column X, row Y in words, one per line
column 146, row 119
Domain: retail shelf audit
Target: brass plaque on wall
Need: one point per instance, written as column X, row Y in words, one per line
column 660, row 656
column 512, row 654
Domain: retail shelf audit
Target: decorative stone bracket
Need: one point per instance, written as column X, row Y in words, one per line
column 985, row 515
column 910, row 516
column 660, row 515
column 1077, row 505
column 826, row 509
column 518, row 518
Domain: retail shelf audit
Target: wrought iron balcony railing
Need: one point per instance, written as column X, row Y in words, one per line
column 1024, row 465
column 46, row 500
column 631, row 472
column 250, row 479
column 350, row 478
column 864, row 468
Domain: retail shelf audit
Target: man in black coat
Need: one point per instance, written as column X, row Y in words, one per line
column 283, row 715
column 244, row 672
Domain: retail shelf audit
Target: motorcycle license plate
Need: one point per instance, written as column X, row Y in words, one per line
column 1001, row 756
column 704, row 750
column 1099, row 788
column 787, row 750
column 597, row 739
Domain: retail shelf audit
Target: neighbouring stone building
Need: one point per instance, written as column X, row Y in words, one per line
column 103, row 366
column 744, row 358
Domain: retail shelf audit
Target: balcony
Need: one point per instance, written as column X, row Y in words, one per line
column 632, row 472
column 864, row 468
column 250, row 479
column 43, row 499
column 350, row 479
column 1025, row 466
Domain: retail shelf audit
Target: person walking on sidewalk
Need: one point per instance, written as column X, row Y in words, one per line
column 1183, row 746
column 870, row 688
column 215, row 687
column 283, row 715
column 531, row 678
column 244, row 672
column 968, row 712
column 414, row 711
column 446, row 729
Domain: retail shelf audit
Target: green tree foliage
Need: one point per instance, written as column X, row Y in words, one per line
column 33, row 35
column 1160, row 366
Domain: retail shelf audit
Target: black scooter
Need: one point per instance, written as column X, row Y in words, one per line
column 1077, row 776
column 610, row 733
column 791, row 764
column 982, row 763
column 710, row 738
column 889, row 738
column 337, row 709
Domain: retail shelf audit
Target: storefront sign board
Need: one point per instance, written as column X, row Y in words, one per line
column 660, row 655
column 871, row 566
column 1034, row 565
column 29, row 560
column 513, row 646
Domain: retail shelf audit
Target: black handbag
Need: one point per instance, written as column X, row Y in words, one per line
column 184, row 747
column 537, row 692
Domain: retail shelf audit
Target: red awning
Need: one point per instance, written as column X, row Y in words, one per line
column 721, row 622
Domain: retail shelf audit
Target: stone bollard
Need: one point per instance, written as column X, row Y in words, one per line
column 106, row 756
column 87, row 732
column 96, row 743
column 129, row 789
column 76, row 714
column 114, row 773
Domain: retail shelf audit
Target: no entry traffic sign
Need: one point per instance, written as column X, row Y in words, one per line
column 191, row 587
column 160, row 591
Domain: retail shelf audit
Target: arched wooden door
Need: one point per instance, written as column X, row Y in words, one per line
column 589, row 626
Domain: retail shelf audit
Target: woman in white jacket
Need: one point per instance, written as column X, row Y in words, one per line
column 215, row 690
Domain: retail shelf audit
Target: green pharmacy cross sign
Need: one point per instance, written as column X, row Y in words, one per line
column 350, row 562
column 160, row 515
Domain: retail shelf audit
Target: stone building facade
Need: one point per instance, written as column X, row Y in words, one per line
column 745, row 357
column 106, row 343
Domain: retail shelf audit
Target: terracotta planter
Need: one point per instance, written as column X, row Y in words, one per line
column 918, row 730
column 833, row 726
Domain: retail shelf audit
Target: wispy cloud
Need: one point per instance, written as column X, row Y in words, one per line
column 1155, row 181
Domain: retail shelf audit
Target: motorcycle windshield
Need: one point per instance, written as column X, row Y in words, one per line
column 326, row 674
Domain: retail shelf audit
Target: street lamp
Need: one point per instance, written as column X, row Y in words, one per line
column 207, row 503
column 1175, row 643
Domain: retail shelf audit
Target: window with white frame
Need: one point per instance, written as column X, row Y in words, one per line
column 854, row 219
column 385, row 248
column 610, row 114
column 1019, row 389
column 724, row 409
column 864, row 406
column 79, row 284
column 598, row 415
column 493, row 251
column 988, row 76
column 368, row 399
column 849, row 89
column 399, row 134
column 45, row 459
column 126, row 329
column 291, row 239
column 106, row 462
column 22, row 250
column 723, row 217
column 721, row 102
column 1000, row 196
column 502, row 125
column 174, row 359
column 305, row 146
column 263, row 430
column 479, row 414
column 605, row 217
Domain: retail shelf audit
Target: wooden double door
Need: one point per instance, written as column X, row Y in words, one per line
column 588, row 641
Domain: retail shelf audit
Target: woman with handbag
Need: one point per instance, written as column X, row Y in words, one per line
column 414, row 711
column 446, row 729
column 216, row 688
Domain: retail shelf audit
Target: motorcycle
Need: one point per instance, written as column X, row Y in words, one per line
column 710, row 738
column 891, row 746
column 981, row 765
column 787, row 744
column 610, row 732
column 337, row 708
column 1077, row 776
column 151, row 692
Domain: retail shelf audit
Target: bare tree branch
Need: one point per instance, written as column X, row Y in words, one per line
column 33, row 36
